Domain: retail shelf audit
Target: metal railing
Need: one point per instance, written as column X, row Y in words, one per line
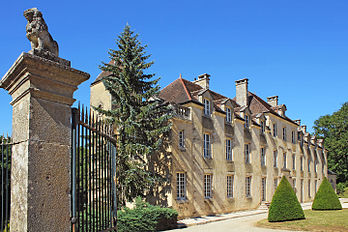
column 93, row 173
column 5, row 175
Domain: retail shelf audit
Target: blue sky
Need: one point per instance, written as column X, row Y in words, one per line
column 295, row 49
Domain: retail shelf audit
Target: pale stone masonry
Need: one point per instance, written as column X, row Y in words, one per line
column 230, row 154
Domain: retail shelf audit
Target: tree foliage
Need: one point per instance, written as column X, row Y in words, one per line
column 285, row 205
column 334, row 129
column 141, row 119
column 326, row 198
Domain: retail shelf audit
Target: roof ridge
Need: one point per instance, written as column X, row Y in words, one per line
column 183, row 83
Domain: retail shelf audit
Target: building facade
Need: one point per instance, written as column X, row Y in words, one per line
column 230, row 154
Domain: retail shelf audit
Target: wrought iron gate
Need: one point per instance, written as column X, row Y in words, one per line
column 5, row 175
column 93, row 173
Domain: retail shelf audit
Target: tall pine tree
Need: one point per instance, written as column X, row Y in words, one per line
column 142, row 121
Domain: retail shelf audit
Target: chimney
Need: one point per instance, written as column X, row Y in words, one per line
column 203, row 80
column 273, row 101
column 242, row 92
column 298, row 122
column 281, row 110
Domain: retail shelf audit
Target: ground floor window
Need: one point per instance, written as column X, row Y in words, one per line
column 230, row 180
column 248, row 186
column 181, row 185
column 208, row 178
column 263, row 191
column 309, row 188
column 275, row 184
column 294, row 184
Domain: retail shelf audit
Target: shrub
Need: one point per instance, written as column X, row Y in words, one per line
column 340, row 188
column 284, row 205
column 326, row 198
column 146, row 218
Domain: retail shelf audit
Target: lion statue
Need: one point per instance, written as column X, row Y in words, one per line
column 38, row 35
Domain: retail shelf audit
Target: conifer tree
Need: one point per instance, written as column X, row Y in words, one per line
column 141, row 119
column 285, row 205
column 326, row 198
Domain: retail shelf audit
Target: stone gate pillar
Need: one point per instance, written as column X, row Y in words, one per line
column 42, row 94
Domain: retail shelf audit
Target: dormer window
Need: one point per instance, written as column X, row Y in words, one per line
column 262, row 123
column 206, row 107
column 246, row 118
column 228, row 115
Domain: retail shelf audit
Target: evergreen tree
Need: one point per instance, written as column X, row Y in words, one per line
column 285, row 205
column 326, row 198
column 141, row 119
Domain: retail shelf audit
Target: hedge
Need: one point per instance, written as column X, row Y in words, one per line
column 326, row 198
column 285, row 205
column 146, row 218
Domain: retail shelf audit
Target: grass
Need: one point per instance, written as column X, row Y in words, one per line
column 330, row 221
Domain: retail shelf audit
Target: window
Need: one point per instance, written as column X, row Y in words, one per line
column 315, row 165
column 294, row 184
column 293, row 161
column 322, row 168
column 262, row 127
column 275, row 158
column 181, row 186
column 228, row 115
column 208, row 178
column 309, row 188
column 309, row 165
column 207, row 146
column 246, row 153
column 301, row 163
column 315, row 185
column 230, row 180
column 248, row 186
column 246, row 118
column 284, row 160
column 263, row 190
column 228, row 148
column 299, row 135
column 182, row 139
column 274, row 129
column 275, row 183
column 293, row 137
column 206, row 107
column 284, row 133
column 263, row 157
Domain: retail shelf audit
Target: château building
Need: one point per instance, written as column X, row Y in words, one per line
column 229, row 154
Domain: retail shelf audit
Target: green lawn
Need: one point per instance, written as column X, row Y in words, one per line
column 330, row 221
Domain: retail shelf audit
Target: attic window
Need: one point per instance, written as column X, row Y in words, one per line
column 246, row 118
column 228, row 114
column 206, row 107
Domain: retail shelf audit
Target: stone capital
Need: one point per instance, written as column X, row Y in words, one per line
column 54, row 81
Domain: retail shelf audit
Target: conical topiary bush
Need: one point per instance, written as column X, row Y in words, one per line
column 326, row 198
column 285, row 206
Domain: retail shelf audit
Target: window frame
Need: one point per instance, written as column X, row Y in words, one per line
column 228, row 114
column 208, row 186
column 247, row 153
column 228, row 150
column 207, row 146
column 284, row 134
column 293, row 161
column 247, row 121
column 263, row 156
column 207, row 107
column 284, row 160
column 275, row 158
column 263, row 188
column 275, row 132
column 229, row 186
column 248, row 186
column 182, row 139
column 181, row 186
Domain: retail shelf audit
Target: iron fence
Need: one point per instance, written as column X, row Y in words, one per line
column 93, row 173
column 5, row 198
